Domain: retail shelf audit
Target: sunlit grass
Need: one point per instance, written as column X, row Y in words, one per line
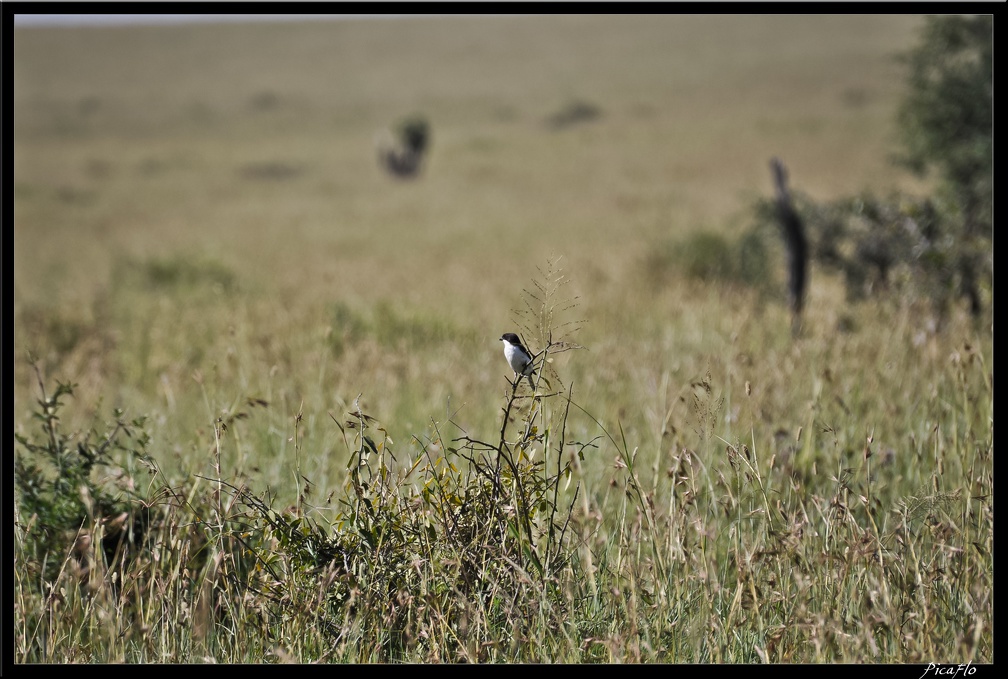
column 203, row 236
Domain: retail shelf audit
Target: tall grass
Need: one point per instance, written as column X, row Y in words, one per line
column 862, row 532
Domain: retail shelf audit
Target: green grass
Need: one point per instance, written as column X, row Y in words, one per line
column 203, row 237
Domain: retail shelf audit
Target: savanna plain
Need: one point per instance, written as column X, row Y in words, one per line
column 261, row 383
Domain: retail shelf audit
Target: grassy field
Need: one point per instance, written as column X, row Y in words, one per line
column 200, row 223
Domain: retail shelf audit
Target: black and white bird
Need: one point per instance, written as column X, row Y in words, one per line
column 518, row 357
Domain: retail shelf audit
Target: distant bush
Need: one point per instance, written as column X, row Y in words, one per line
column 415, row 133
column 402, row 150
column 270, row 171
column 574, row 112
column 752, row 260
column 176, row 271
column 712, row 257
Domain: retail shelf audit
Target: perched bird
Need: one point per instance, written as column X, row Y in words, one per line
column 518, row 357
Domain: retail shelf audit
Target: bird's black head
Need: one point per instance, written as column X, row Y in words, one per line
column 511, row 337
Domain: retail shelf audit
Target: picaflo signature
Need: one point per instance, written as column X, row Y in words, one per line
column 951, row 671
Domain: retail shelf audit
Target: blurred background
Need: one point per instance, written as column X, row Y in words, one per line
column 307, row 209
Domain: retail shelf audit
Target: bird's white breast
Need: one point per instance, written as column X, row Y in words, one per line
column 515, row 357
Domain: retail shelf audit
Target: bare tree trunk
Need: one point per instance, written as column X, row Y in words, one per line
column 797, row 246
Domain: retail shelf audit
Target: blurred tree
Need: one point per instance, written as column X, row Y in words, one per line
column 414, row 133
column 946, row 118
column 402, row 153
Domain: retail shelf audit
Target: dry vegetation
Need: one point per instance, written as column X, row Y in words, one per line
column 203, row 237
